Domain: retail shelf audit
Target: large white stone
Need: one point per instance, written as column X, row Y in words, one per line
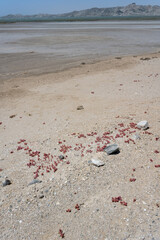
column 98, row 159
column 143, row 125
column 96, row 162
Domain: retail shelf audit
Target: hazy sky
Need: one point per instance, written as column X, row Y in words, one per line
column 61, row 6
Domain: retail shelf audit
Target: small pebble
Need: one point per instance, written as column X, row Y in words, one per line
column 41, row 196
column 6, row 182
column 80, row 107
column 34, row 182
column 61, row 157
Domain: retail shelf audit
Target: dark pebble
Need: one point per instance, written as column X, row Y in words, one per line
column 34, row 182
column 80, row 107
column 112, row 149
column 6, row 182
column 41, row 196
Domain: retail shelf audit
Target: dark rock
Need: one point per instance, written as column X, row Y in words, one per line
column 80, row 107
column 61, row 157
column 112, row 149
column 41, row 196
column 12, row 116
column 34, row 181
column 145, row 59
column 6, row 182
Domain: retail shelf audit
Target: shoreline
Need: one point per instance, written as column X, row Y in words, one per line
column 79, row 67
column 83, row 19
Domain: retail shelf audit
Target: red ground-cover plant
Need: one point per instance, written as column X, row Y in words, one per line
column 133, row 125
column 19, row 148
column 149, row 133
column 136, row 80
column 132, row 179
column 121, row 124
column 68, row 210
column 129, row 140
column 81, row 136
column 156, row 151
column 77, row 207
column 61, row 233
column 123, row 203
column 46, row 162
column 116, row 199
column 157, row 166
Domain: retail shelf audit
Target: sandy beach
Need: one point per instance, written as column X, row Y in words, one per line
column 44, row 137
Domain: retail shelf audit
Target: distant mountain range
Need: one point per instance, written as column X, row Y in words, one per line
column 131, row 10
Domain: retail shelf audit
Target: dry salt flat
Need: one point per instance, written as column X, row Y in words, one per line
column 53, row 126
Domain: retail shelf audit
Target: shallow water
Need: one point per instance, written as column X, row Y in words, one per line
column 67, row 43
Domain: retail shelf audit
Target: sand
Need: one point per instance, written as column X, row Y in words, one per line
column 39, row 113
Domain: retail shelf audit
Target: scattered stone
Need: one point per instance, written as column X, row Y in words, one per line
column 112, row 149
column 96, row 162
column 52, row 178
column 41, row 196
column 83, row 63
column 118, row 58
column 145, row 59
column 61, row 157
column 46, row 191
column 34, row 181
column 80, row 107
column 136, row 137
column 6, row 182
column 12, row 116
column 98, row 159
column 143, row 125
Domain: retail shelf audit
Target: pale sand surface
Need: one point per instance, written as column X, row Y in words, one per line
column 112, row 92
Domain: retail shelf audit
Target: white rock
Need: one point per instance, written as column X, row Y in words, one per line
column 143, row 124
column 96, row 162
column 136, row 137
column 98, row 159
